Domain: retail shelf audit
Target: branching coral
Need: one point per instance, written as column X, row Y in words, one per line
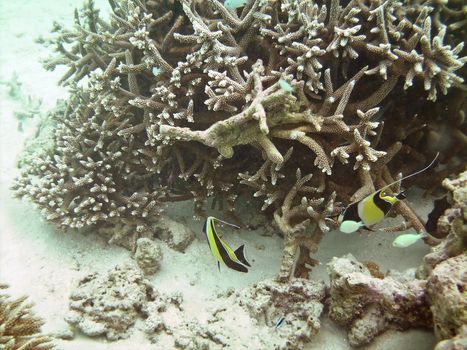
column 179, row 100
column 19, row 328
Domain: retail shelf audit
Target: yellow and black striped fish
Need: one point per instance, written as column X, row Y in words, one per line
column 373, row 208
column 222, row 252
column 369, row 211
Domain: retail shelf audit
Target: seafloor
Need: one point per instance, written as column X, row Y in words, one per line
column 39, row 261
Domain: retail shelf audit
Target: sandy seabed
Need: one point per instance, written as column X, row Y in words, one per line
column 44, row 263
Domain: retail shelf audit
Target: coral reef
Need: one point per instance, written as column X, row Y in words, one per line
column 19, row 327
column 174, row 100
column 148, row 255
column 108, row 304
column 369, row 305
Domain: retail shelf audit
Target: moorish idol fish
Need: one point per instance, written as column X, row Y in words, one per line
column 222, row 252
column 373, row 208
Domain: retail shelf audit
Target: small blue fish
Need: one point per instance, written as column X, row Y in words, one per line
column 234, row 4
column 285, row 85
column 280, row 322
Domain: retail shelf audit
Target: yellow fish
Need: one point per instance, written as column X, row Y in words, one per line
column 222, row 252
column 373, row 208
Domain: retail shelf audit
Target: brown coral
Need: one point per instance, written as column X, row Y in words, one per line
column 19, row 327
column 179, row 100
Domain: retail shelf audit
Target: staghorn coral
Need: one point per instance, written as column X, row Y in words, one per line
column 181, row 100
column 19, row 328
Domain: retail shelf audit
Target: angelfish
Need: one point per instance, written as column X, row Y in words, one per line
column 222, row 252
column 373, row 208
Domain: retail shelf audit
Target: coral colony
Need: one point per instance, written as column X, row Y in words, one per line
column 300, row 103
column 307, row 105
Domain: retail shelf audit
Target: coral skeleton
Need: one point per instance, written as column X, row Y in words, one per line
column 182, row 100
column 370, row 305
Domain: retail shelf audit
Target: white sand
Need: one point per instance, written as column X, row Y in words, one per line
column 37, row 260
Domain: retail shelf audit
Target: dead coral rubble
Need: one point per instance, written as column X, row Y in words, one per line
column 178, row 100
column 177, row 235
column 369, row 306
column 446, row 269
column 148, row 255
column 256, row 310
column 446, row 292
column 299, row 301
column 436, row 298
column 108, row 304
column 452, row 225
column 19, row 327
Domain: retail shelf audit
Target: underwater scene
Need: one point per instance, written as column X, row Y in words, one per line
column 233, row 175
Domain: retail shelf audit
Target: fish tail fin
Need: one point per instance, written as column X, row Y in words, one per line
column 240, row 254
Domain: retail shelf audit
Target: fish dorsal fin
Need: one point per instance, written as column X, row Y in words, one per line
column 410, row 175
column 224, row 222
column 216, row 221
column 240, row 254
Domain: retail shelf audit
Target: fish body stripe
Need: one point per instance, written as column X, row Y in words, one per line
column 221, row 251
column 210, row 235
column 373, row 208
column 350, row 213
